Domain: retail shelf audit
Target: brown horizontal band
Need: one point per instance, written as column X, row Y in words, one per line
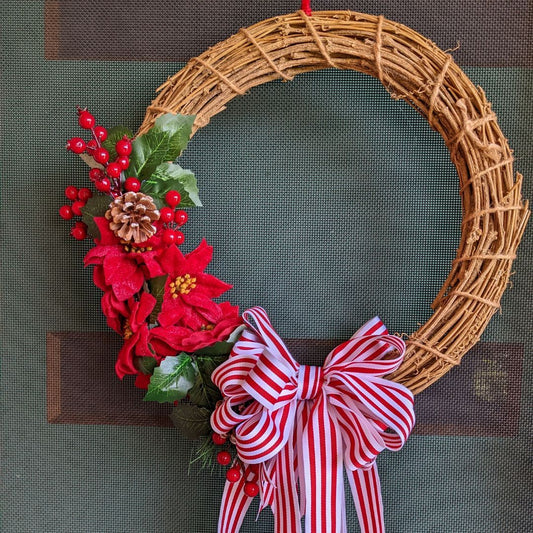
column 70, row 25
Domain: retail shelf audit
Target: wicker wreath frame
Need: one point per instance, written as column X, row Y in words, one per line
column 414, row 69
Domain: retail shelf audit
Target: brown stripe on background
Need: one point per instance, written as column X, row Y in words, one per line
column 52, row 30
column 481, row 397
column 491, row 33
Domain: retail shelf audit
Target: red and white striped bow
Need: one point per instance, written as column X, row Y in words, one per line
column 295, row 424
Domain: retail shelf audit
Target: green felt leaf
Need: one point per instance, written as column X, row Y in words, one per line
column 163, row 142
column 145, row 364
column 96, row 206
column 219, row 348
column 172, row 379
column 114, row 135
column 191, row 420
column 171, row 177
column 204, row 392
column 157, row 289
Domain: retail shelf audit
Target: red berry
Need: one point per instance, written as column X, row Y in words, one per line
column 233, row 475
column 78, row 233
column 91, row 146
column 65, row 212
column 166, row 214
column 132, row 184
column 101, row 155
column 113, row 170
column 85, row 120
column 180, row 238
column 104, row 185
column 100, row 133
column 180, row 217
column 76, row 145
column 84, row 194
column 96, row 174
column 217, row 439
column 71, row 192
column 173, row 198
column 251, row 489
column 169, row 236
column 76, row 207
column 223, row 458
column 80, row 224
column 123, row 161
column 124, row 146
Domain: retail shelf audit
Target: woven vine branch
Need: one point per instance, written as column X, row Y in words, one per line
column 414, row 69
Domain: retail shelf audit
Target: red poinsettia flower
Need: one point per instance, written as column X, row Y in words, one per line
column 189, row 291
column 137, row 337
column 122, row 268
column 185, row 339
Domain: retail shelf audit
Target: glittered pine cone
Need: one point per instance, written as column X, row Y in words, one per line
column 131, row 216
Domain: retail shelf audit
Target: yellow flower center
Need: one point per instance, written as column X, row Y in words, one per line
column 182, row 285
column 126, row 330
column 128, row 247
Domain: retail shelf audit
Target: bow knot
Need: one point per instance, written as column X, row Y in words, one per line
column 310, row 380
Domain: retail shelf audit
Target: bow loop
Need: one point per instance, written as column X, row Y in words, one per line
column 272, row 381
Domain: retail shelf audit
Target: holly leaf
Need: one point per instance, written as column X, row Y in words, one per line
column 204, row 392
column 191, row 420
column 114, row 135
column 217, row 349
column 96, row 206
column 171, row 177
column 157, row 289
column 172, row 379
column 145, row 365
column 163, row 142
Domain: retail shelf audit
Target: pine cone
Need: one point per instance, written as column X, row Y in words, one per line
column 131, row 216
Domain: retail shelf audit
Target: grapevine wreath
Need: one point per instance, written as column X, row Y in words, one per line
column 287, row 431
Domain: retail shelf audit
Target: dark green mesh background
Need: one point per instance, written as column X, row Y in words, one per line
column 327, row 203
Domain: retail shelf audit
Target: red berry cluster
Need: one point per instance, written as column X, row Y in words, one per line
column 79, row 198
column 111, row 179
column 173, row 219
column 233, row 475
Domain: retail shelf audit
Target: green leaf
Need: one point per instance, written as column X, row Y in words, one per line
column 172, row 379
column 191, row 420
column 96, row 206
column 114, row 135
column 163, row 142
column 145, row 364
column 204, row 392
column 157, row 289
column 219, row 348
column 171, row 177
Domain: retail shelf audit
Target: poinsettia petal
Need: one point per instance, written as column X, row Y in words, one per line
column 106, row 235
column 114, row 311
column 171, row 260
column 118, row 267
column 99, row 278
column 152, row 265
column 124, row 364
column 199, row 258
column 204, row 306
column 142, row 311
column 211, row 286
column 127, row 288
column 142, row 380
